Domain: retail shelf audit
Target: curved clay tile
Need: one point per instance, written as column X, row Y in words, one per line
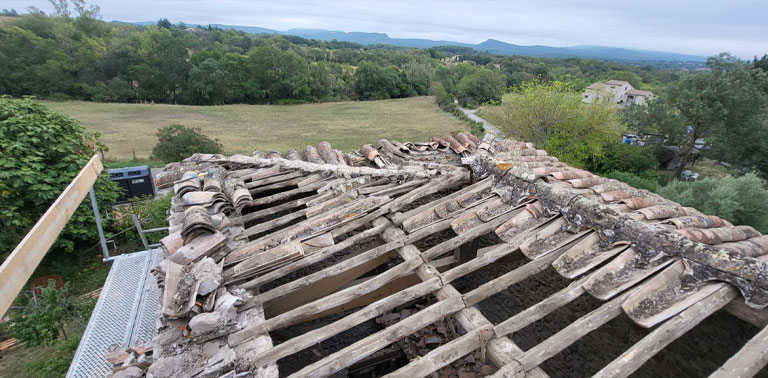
column 455, row 145
column 698, row 221
column 662, row 212
column 293, row 154
column 369, row 152
column 636, row 203
column 754, row 247
column 615, row 195
column 585, row 182
column 310, row 154
column 570, row 175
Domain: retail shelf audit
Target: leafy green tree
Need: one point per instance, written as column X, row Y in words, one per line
column 178, row 142
column 481, row 86
column 279, row 74
column 551, row 115
column 41, row 151
column 722, row 107
column 42, row 319
column 742, row 200
column 374, row 82
column 207, row 83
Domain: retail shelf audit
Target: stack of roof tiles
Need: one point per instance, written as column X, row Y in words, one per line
column 312, row 233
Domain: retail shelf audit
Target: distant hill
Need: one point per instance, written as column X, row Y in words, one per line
column 490, row 45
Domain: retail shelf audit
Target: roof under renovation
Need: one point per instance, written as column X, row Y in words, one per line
column 429, row 259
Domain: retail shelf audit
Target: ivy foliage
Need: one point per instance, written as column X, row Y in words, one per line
column 178, row 142
column 41, row 151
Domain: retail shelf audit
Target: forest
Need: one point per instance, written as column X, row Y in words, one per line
column 78, row 56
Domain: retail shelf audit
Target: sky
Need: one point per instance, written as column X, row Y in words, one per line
column 701, row 27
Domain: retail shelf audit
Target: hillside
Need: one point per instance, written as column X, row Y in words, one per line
column 490, row 45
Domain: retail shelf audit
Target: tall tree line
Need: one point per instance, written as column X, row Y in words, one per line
column 62, row 56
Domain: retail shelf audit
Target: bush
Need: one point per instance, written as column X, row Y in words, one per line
column 178, row 142
column 742, row 200
column 41, row 151
column 151, row 214
column 634, row 180
column 624, row 158
column 42, row 318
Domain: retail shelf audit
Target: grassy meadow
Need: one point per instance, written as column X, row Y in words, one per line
column 245, row 128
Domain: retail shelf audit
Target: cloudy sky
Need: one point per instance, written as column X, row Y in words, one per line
column 703, row 27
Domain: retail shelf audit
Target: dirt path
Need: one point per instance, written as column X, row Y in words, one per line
column 491, row 129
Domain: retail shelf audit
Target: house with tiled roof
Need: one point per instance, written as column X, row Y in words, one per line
column 618, row 92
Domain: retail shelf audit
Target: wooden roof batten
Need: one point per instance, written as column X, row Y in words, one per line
column 377, row 205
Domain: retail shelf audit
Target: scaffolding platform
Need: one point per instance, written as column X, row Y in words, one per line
column 125, row 313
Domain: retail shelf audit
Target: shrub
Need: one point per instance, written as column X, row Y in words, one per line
column 635, row 180
column 178, row 142
column 624, row 158
column 742, row 200
column 42, row 318
column 151, row 214
column 41, row 151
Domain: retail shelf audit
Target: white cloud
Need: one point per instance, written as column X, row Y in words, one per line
column 703, row 27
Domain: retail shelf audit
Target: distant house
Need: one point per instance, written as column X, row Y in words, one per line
column 617, row 92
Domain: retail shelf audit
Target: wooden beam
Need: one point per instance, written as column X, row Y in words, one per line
column 361, row 349
column 748, row 361
column 323, row 287
column 21, row 263
column 666, row 333
column 739, row 309
column 556, row 343
column 445, row 354
column 317, row 256
column 540, row 310
column 315, row 336
column 501, row 283
column 501, row 351
column 300, row 313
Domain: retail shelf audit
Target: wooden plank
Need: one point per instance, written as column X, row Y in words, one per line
column 501, row 283
column 381, row 339
column 315, row 336
column 666, row 333
column 540, row 310
column 445, row 354
column 756, row 317
column 21, row 263
column 272, row 210
column 454, row 242
column 748, row 361
column 316, row 256
column 478, row 263
column 563, row 339
column 323, row 287
column 300, row 313
column 501, row 351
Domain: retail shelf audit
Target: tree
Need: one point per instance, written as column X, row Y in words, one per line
column 722, row 107
column 178, row 142
column 41, row 151
column 481, row 86
column 551, row 115
column 374, row 82
column 42, row 319
column 207, row 83
column 742, row 200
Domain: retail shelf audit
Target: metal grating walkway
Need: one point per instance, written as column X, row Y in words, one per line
column 124, row 314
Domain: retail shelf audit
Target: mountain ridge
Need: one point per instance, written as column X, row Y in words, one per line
column 489, row 45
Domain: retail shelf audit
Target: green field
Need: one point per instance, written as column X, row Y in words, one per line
column 245, row 128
